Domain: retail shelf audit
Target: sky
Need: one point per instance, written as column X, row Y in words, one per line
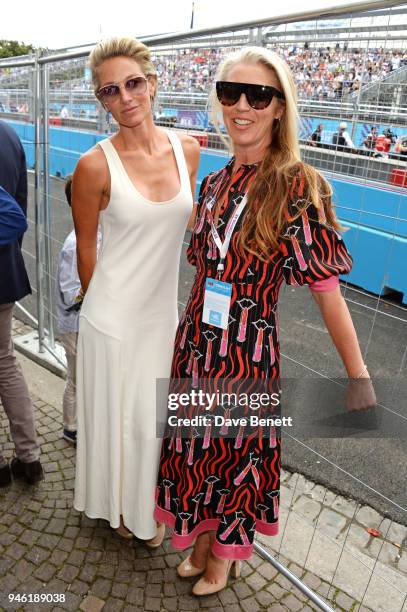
column 46, row 23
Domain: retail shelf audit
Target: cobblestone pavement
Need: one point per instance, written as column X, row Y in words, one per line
column 46, row 547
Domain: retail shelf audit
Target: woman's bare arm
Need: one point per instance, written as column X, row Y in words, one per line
column 360, row 393
column 341, row 329
column 90, row 194
column 191, row 151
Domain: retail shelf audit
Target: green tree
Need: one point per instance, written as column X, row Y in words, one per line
column 12, row 48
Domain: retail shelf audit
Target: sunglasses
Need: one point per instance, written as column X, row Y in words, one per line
column 258, row 96
column 134, row 85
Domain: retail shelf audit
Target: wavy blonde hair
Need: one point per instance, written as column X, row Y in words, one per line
column 265, row 217
column 120, row 47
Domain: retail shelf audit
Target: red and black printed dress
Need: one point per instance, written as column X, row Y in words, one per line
column 231, row 485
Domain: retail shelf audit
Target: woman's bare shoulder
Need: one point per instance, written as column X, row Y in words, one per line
column 93, row 161
column 190, row 147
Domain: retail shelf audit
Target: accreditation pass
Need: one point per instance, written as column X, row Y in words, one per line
column 217, row 303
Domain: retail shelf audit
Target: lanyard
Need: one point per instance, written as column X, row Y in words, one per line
column 224, row 246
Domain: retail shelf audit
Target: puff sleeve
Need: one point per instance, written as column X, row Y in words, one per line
column 313, row 253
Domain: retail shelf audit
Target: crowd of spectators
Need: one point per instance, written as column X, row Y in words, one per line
column 324, row 73
column 320, row 73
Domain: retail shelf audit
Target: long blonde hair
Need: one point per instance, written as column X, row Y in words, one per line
column 265, row 217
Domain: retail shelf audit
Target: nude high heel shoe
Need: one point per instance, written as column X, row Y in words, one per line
column 157, row 540
column 203, row 587
column 187, row 570
column 123, row 532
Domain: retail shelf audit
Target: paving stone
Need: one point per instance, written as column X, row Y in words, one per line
column 331, row 522
column 267, row 570
column 256, row 581
column 249, row 605
column 312, row 581
column 72, row 601
column 106, row 570
column 5, row 565
column 23, row 569
column 182, row 587
column 155, row 576
column 397, row 533
column 8, row 583
column 171, row 604
column 292, row 603
column 386, row 552
column 242, row 590
column 79, row 587
column 102, row 587
column 29, row 537
column 210, row 601
column 88, row 573
column 357, row 536
column 344, row 601
column 169, row 590
column 58, row 557
column 37, row 555
column 284, row 582
column 76, row 557
column 92, row 604
column 113, row 605
column 119, row 589
column 227, row 596
column 16, row 529
column 265, row 598
column 49, row 541
column 308, row 508
column 135, row 596
column 368, row 517
column 45, row 572
column 68, row 573
column 188, row 602
column 157, row 563
column 16, row 551
column 232, row 608
column 276, row 590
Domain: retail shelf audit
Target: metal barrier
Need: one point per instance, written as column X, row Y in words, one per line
column 47, row 83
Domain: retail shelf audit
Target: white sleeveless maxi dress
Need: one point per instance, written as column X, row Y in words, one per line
column 127, row 329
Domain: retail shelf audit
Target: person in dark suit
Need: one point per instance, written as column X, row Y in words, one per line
column 13, row 223
column 14, row 285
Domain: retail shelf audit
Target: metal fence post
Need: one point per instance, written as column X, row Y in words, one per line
column 39, row 223
column 47, row 203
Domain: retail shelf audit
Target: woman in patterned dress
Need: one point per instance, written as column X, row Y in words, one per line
column 217, row 491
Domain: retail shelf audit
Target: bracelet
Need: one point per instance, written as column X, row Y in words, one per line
column 362, row 372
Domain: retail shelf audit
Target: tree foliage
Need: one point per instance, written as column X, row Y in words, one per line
column 12, row 48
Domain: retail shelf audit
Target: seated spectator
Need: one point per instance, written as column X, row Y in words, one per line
column 315, row 138
column 341, row 138
column 370, row 140
column 383, row 144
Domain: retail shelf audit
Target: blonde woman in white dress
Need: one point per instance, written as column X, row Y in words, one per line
column 139, row 186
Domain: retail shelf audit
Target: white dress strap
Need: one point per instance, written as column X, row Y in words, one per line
column 180, row 158
column 113, row 159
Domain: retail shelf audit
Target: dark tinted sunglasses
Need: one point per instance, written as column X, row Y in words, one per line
column 134, row 85
column 258, row 96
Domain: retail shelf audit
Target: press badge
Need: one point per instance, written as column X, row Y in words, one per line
column 217, row 303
